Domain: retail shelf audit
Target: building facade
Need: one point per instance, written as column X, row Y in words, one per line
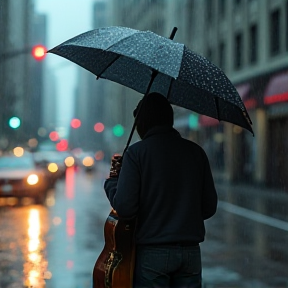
column 248, row 40
column 20, row 76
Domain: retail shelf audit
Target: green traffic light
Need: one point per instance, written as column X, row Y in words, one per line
column 193, row 121
column 14, row 122
column 118, row 130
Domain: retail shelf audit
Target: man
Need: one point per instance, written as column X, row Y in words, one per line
column 166, row 182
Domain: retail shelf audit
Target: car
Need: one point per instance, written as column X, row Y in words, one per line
column 20, row 178
column 55, row 163
column 49, row 161
column 86, row 160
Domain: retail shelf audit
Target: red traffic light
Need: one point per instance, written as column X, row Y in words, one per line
column 62, row 145
column 75, row 123
column 99, row 127
column 54, row 136
column 39, row 52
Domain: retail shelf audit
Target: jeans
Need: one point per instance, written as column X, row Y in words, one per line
column 165, row 266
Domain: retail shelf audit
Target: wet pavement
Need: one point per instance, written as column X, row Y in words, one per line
column 57, row 245
column 246, row 241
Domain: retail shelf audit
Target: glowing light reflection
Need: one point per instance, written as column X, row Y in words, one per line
column 35, row 264
column 70, row 222
column 69, row 183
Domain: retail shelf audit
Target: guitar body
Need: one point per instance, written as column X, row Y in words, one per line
column 115, row 265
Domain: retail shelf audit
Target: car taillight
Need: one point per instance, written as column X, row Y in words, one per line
column 53, row 167
column 32, row 179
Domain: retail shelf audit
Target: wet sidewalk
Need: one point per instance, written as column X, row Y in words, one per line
column 258, row 198
column 245, row 244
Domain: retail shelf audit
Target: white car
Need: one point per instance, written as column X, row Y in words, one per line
column 19, row 177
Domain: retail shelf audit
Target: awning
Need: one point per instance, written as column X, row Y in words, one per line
column 243, row 90
column 277, row 89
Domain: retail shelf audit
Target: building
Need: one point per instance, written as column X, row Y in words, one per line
column 20, row 93
column 248, row 40
column 93, row 101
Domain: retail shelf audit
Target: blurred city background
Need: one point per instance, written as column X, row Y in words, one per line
column 55, row 112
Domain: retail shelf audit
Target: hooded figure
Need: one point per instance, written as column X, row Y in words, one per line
column 166, row 182
column 155, row 111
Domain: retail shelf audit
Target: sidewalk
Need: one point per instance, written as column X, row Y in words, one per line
column 267, row 201
column 245, row 241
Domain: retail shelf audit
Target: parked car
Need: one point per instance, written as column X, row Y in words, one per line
column 19, row 177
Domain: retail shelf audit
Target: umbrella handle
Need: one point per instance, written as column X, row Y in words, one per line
column 173, row 33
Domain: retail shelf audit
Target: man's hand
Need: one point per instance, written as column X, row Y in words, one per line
column 116, row 164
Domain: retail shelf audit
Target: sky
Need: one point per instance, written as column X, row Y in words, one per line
column 65, row 19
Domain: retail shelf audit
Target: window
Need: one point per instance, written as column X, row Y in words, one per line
column 286, row 26
column 238, row 2
column 238, row 50
column 222, row 54
column 209, row 11
column 253, row 48
column 209, row 54
column 190, row 22
column 275, row 33
column 222, row 7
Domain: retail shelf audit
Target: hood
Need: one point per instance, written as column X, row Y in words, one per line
column 15, row 174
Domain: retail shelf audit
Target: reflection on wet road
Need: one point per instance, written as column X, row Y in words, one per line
column 76, row 233
column 35, row 264
column 57, row 245
column 23, row 258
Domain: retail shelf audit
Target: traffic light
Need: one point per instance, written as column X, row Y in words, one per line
column 14, row 122
column 39, row 52
column 193, row 121
column 75, row 123
column 54, row 136
column 118, row 130
column 62, row 145
column 99, row 127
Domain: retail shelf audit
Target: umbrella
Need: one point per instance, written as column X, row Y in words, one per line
column 147, row 62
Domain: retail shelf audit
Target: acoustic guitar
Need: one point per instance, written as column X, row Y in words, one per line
column 115, row 265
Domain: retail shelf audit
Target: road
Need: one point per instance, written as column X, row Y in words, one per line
column 56, row 246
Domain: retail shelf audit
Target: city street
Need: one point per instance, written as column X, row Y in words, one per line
column 246, row 241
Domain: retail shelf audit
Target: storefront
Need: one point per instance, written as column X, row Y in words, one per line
column 276, row 102
column 212, row 141
column 239, row 148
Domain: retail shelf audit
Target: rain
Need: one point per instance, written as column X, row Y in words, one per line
column 61, row 123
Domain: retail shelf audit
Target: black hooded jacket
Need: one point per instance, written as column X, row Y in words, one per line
column 166, row 181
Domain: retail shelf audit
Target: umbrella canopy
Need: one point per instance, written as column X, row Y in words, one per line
column 147, row 62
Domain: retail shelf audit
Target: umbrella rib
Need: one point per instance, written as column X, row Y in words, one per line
column 169, row 90
column 116, row 58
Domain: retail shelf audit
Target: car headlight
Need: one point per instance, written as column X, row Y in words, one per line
column 32, row 179
column 69, row 161
column 52, row 167
column 88, row 161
